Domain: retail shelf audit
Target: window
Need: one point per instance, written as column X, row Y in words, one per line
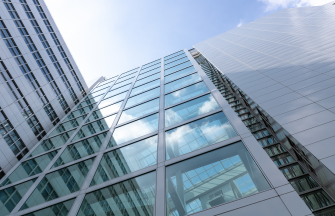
column 117, row 91
column 132, row 197
column 303, row 183
column 73, row 123
column 143, row 97
column 107, row 110
column 112, row 99
column 135, row 129
column 140, row 110
column 190, row 109
column 60, row 209
column 185, row 93
column 211, row 179
column 145, row 87
column 177, row 61
column 179, row 74
column 174, row 58
column 149, row 73
column 97, row 115
column 177, row 67
column 79, row 112
column 174, row 54
column 151, row 63
column 147, row 79
column 126, row 160
column 182, row 82
column 198, row 134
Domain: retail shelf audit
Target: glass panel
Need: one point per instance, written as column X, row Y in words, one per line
column 109, row 82
column 107, row 110
column 94, row 127
column 121, row 79
column 97, row 114
column 112, row 99
column 145, row 87
column 151, row 63
column 179, row 74
column 59, row 183
column 126, row 160
column 81, row 149
column 317, row 199
column 67, row 125
column 177, row 61
column 292, row 171
column 132, row 197
column 325, row 212
column 303, row 184
column 174, row 54
column 177, row 67
column 52, row 143
column 139, row 110
column 117, row 91
column 197, row 135
column 60, row 209
column 118, row 85
column 96, row 95
column 11, row 196
column 274, row 150
column 135, row 129
column 87, row 101
column 128, row 75
column 131, row 71
column 182, row 82
column 283, row 159
column 143, row 97
column 174, row 58
column 30, row 168
column 211, row 179
column 77, row 113
column 185, row 93
column 147, row 79
column 100, row 88
column 148, row 70
column 190, row 109
column 83, row 110
column 149, row 73
column 125, row 81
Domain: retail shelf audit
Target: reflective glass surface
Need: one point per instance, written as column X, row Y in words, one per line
column 177, row 67
column 67, row 125
column 212, row 179
column 179, row 74
column 145, row 87
column 151, row 63
column 132, row 197
column 190, row 109
column 112, row 99
column 109, row 82
column 118, row 85
column 135, row 129
column 152, row 70
column 197, row 135
column 177, row 61
column 316, row 200
column 303, row 183
column 149, row 73
column 60, row 209
column 126, row 160
column 185, row 93
column 139, row 110
column 117, row 91
column 52, row 143
column 59, row 183
column 107, row 110
column 124, row 81
column 182, row 82
column 121, row 79
column 292, row 171
column 174, row 58
column 79, row 112
column 81, row 149
column 147, row 79
column 97, row 114
column 100, row 88
column 174, row 54
column 87, row 101
column 30, row 168
column 11, row 196
column 96, row 95
column 143, row 97
column 94, row 127
column 129, row 72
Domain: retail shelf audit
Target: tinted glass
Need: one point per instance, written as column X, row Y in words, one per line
column 126, row 160
column 60, row 209
column 121, row 79
column 198, row 134
column 117, row 91
column 303, row 183
column 118, row 85
column 107, row 110
column 151, row 63
column 94, row 127
column 177, row 67
column 30, row 168
column 174, row 54
column 145, row 87
column 135, row 129
column 128, row 74
column 81, row 149
column 212, row 179
column 75, row 114
column 59, row 183
column 112, row 99
column 179, row 74
column 132, row 197
column 96, row 95
column 100, row 89
column 190, row 109
column 316, row 200
column 139, row 110
column 156, row 68
column 82, row 111
column 185, row 93
column 149, row 73
column 68, row 125
column 52, row 143
column 177, row 61
column 109, row 82
column 97, row 115
column 11, row 196
column 182, row 82
column 147, row 79
column 174, row 58
column 87, row 101
column 143, row 97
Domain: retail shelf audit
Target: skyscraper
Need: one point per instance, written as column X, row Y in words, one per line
column 242, row 124
column 39, row 81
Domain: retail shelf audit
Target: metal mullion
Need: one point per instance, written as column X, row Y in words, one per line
column 135, row 119
column 87, row 137
column 43, row 153
column 73, row 119
column 18, row 182
column 183, row 86
column 42, row 174
column 144, row 90
column 146, row 77
column 178, row 71
column 187, row 100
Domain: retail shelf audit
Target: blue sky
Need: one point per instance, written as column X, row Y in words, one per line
column 108, row 37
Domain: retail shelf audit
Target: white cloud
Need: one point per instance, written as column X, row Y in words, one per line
column 240, row 23
column 275, row 4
